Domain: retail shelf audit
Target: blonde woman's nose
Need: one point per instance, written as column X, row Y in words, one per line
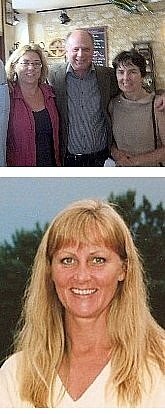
column 82, row 272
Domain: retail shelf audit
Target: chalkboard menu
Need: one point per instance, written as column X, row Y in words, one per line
column 100, row 45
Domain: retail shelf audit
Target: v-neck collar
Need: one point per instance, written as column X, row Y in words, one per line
column 67, row 399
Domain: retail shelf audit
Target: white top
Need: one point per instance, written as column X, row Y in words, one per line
column 93, row 397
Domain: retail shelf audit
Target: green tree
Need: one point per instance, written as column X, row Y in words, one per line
column 16, row 260
column 147, row 226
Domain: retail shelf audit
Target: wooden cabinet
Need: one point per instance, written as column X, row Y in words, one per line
column 145, row 48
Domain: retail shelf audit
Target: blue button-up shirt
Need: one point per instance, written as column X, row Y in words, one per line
column 87, row 123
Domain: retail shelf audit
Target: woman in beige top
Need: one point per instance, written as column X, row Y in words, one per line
column 88, row 338
column 138, row 127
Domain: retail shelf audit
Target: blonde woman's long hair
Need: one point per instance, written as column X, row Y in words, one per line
column 135, row 335
column 15, row 56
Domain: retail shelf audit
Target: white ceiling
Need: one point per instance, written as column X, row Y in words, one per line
column 31, row 6
column 34, row 5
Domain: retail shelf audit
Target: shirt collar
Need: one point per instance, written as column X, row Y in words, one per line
column 69, row 68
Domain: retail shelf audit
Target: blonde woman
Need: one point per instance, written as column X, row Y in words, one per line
column 33, row 123
column 88, row 338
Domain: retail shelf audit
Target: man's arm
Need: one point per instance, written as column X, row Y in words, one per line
column 160, row 100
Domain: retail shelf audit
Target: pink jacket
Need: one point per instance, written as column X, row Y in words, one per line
column 21, row 148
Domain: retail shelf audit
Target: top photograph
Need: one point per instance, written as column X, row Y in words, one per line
column 82, row 85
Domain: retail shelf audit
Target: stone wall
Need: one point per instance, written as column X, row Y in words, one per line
column 122, row 30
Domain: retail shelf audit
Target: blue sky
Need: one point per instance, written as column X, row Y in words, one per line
column 24, row 201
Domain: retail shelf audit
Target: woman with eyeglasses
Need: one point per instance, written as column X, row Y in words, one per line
column 33, row 123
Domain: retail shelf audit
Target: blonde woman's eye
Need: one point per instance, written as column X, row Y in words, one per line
column 98, row 260
column 67, row 260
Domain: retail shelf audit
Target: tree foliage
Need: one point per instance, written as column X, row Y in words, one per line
column 147, row 225
column 16, row 258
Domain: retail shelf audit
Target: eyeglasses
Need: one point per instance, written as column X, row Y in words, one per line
column 26, row 64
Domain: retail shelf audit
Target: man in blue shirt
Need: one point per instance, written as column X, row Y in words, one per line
column 83, row 91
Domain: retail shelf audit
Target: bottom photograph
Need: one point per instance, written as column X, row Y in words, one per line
column 82, row 292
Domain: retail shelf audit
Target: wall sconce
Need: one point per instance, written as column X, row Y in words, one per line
column 64, row 18
column 14, row 47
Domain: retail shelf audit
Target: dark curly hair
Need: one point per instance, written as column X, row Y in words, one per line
column 130, row 56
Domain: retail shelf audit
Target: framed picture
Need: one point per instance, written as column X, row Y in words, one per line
column 8, row 12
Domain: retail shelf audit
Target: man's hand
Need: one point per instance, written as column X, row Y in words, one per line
column 160, row 102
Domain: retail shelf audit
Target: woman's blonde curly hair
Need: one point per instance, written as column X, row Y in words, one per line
column 15, row 56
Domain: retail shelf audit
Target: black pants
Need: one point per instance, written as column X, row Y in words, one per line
column 95, row 159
